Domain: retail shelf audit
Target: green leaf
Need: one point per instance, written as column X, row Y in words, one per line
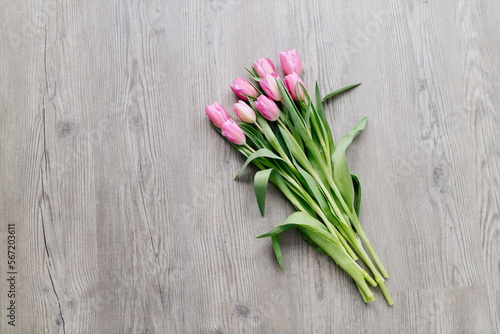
column 253, row 74
column 342, row 176
column 357, row 190
column 277, row 250
column 302, row 220
column 263, row 152
column 341, row 90
column 335, row 250
column 310, row 242
column 260, row 187
column 269, row 134
column 255, row 136
column 298, row 120
column 318, row 132
column 289, row 125
column 331, row 246
column 307, row 115
column 281, row 142
column 318, row 234
column 316, row 191
column 321, row 114
column 299, row 123
column 295, row 150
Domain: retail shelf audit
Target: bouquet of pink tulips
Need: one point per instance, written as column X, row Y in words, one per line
column 285, row 134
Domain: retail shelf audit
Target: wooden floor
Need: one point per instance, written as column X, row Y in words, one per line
column 127, row 218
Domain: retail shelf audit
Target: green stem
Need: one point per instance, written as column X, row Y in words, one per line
column 352, row 268
column 339, row 236
column 333, row 230
column 384, row 291
column 258, row 126
column 363, row 295
column 352, row 236
column 347, row 228
column 248, row 147
column 363, row 237
column 354, row 219
column 268, row 133
column 323, row 143
column 368, row 278
column 306, row 197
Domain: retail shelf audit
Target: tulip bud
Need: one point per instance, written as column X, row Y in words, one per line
column 270, row 87
column 217, row 114
column 264, row 66
column 242, row 87
column 267, row 108
column 290, row 62
column 244, row 112
column 232, row 131
column 291, row 81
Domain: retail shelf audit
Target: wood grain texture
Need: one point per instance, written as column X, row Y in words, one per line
column 127, row 217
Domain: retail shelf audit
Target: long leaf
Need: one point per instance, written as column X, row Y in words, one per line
column 316, row 191
column 310, row 242
column 255, row 136
column 341, row 90
column 277, row 250
column 342, row 176
column 270, row 136
column 299, row 123
column 260, row 187
column 303, row 220
column 317, row 122
column 321, row 113
column 298, row 203
column 289, row 125
column 295, row 150
column 357, row 190
column 263, row 152
column 281, row 142
column 319, row 235
column 337, row 253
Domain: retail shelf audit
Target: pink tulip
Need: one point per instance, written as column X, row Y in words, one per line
column 290, row 62
column 264, row 66
column 242, row 87
column 232, row 131
column 291, row 82
column 270, row 87
column 217, row 114
column 267, row 108
column 244, row 112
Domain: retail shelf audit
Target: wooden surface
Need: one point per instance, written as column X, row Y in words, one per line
column 127, row 216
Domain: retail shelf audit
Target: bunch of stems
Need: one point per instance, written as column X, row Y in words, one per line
column 297, row 154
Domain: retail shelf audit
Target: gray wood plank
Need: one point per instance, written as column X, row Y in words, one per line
column 127, row 216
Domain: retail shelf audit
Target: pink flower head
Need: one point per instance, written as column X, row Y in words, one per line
column 290, row 62
column 267, row 108
column 244, row 112
column 217, row 114
column 264, row 66
column 242, row 87
column 291, row 82
column 270, row 87
column 232, row 131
